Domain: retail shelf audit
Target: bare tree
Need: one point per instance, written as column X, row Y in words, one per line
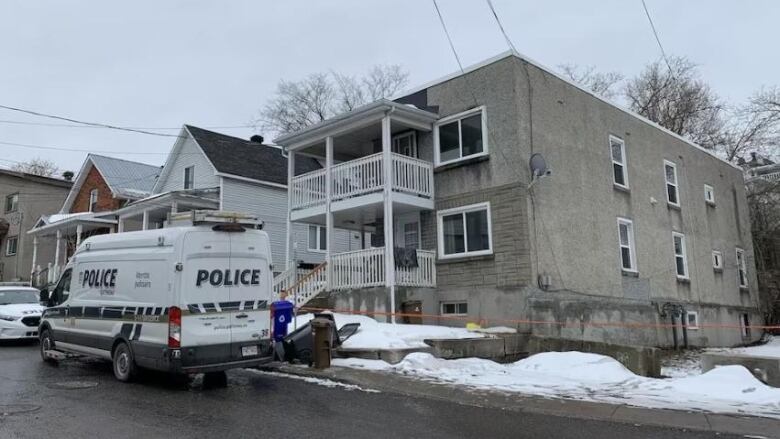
column 675, row 97
column 36, row 166
column 604, row 84
column 298, row 104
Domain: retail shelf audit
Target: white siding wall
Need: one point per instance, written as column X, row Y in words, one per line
column 189, row 155
column 270, row 205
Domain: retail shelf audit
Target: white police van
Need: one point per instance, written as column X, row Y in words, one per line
column 185, row 299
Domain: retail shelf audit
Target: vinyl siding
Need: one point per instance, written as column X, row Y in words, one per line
column 189, row 155
column 270, row 205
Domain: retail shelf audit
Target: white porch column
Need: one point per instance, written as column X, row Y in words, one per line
column 290, row 175
column 388, row 204
column 121, row 225
column 34, row 258
column 174, row 207
column 79, row 231
column 57, row 251
column 328, row 214
column 145, row 221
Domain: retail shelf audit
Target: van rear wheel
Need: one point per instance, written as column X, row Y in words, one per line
column 46, row 344
column 124, row 363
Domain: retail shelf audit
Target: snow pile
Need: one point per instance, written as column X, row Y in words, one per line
column 592, row 377
column 375, row 335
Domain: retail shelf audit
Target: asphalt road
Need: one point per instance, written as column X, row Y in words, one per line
column 80, row 398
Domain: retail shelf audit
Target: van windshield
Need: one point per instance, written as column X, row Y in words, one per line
column 13, row 297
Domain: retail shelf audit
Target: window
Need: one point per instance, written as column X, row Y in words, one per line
column 717, row 260
column 618, row 150
column 12, row 203
column 626, row 243
column 672, row 191
column 11, row 245
column 460, row 137
column 465, row 231
column 454, row 308
column 318, row 238
column 680, row 258
column 62, row 290
column 709, row 194
column 189, row 177
column 692, row 320
column 93, row 199
column 741, row 269
column 405, row 144
column 744, row 325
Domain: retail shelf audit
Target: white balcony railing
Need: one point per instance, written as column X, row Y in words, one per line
column 366, row 268
column 363, row 176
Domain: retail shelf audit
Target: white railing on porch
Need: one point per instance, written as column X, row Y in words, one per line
column 308, row 286
column 358, row 269
column 308, row 189
column 424, row 275
column 362, row 176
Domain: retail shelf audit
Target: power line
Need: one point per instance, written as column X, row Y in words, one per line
column 657, row 39
column 59, row 148
column 447, row 33
column 64, row 125
column 500, row 26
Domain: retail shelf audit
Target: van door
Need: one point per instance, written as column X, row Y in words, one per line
column 251, row 293
column 205, row 324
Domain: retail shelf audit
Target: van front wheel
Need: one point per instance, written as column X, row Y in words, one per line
column 124, row 364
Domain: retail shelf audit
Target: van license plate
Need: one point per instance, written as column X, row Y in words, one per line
column 249, row 351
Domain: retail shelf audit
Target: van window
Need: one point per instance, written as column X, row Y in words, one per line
column 62, row 290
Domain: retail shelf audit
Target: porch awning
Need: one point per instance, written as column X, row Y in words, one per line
column 68, row 222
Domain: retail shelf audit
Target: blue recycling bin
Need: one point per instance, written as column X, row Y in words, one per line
column 283, row 314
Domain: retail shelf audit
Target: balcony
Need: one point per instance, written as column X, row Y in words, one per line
column 364, row 176
column 366, row 268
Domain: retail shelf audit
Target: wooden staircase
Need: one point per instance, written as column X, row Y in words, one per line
column 301, row 286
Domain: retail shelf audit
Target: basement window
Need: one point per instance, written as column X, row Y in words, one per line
column 454, row 308
column 744, row 325
column 460, row 137
column 692, row 320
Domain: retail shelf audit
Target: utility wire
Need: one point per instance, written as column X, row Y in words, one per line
column 447, row 33
column 657, row 38
column 500, row 26
column 64, row 125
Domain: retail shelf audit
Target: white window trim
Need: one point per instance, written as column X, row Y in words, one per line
column 684, row 255
column 612, row 159
column 676, row 183
column 463, row 210
column 320, row 230
column 184, row 181
column 16, row 204
column 454, row 117
column 93, row 191
column 631, row 245
column 720, row 257
column 711, row 190
column 741, row 267
column 694, row 313
column 453, row 302
column 8, row 245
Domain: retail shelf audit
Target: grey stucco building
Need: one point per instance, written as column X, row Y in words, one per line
column 25, row 198
column 633, row 222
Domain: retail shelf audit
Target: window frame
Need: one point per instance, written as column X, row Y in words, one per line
column 715, row 265
column 741, row 268
column 321, row 230
column 192, row 177
column 463, row 210
column 709, row 189
column 631, row 245
column 684, row 255
column 676, row 184
column 8, row 241
column 15, row 207
column 96, row 193
column 457, row 118
column 614, row 138
column 696, row 318
column 455, row 303
column 744, row 324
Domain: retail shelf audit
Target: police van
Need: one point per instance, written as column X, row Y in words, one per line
column 186, row 299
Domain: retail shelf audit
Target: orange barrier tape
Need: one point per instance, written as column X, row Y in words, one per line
column 484, row 322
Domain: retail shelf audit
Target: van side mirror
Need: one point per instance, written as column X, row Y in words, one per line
column 44, row 297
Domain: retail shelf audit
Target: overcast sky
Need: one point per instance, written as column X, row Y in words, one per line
column 214, row 63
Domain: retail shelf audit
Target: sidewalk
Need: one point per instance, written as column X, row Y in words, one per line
column 394, row 383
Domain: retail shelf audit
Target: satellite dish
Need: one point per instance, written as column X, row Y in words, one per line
column 538, row 166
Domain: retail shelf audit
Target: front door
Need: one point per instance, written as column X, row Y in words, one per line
column 405, row 144
column 407, row 230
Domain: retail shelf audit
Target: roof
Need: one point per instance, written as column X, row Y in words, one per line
column 37, row 178
column 542, row 67
column 126, row 179
column 243, row 158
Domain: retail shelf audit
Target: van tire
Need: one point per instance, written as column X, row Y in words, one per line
column 123, row 363
column 46, row 343
column 212, row 380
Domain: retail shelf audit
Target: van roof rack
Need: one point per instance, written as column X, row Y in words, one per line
column 216, row 217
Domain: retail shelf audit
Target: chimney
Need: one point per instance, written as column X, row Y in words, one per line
column 256, row 138
column 68, row 175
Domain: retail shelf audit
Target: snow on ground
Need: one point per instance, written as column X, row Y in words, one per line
column 769, row 349
column 375, row 335
column 593, row 377
column 680, row 364
column 312, row 380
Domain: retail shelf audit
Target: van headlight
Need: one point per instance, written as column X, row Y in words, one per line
column 8, row 318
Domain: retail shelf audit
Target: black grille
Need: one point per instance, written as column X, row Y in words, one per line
column 31, row 321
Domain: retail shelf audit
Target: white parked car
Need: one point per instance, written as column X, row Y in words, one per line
column 20, row 312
